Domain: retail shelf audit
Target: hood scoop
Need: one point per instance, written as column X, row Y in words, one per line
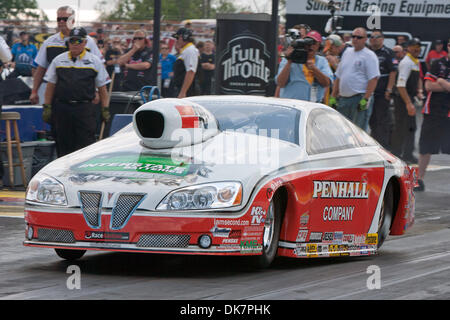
column 173, row 123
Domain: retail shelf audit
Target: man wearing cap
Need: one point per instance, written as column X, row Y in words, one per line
column 408, row 86
column 23, row 53
column 334, row 49
column 356, row 79
column 380, row 119
column 437, row 53
column 185, row 67
column 72, row 79
column 55, row 45
column 305, row 81
column 435, row 133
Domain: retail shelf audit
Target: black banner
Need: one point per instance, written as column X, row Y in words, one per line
column 245, row 54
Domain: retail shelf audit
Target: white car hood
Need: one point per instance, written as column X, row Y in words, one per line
column 122, row 164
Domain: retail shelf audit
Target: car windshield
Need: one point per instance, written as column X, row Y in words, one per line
column 262, row 119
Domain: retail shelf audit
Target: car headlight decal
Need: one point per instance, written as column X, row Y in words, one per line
column 47, row 190
column 205, row 196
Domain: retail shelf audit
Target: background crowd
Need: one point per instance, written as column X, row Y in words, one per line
column 376, row 87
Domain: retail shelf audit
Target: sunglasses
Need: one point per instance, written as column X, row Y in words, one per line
column 76, row 40
column 357, row 37
column 164, row 48
column 59, row 19
column 376, row 37
column 138, row 38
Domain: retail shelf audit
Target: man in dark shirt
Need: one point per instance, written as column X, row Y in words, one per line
column 207, row 63
column 380, row 120
column 137, row 63
column 112, row 64
column 435, row 133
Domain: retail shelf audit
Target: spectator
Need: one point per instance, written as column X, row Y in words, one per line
column 55, row 45
column 356, row 79
column 333, row 50
column 137, row 63
column 303, row 28
column 167, row 62
column 435, row 54
column 112, row 63
column 69, row 104
column 435, row 133
column 402, row 40
column 23, row 53
column 207, row 63
column 380, row 119
column 305, row 81
column 185, row 67
column 408, row 86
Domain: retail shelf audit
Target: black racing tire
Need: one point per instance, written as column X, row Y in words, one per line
column 271, row 235
column 386, row 215
column 69, row 254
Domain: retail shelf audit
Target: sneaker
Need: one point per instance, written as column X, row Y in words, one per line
column 420, row 187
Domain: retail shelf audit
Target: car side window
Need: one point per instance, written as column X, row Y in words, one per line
column 327, row 131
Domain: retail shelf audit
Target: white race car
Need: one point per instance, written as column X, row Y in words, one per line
column 224, row 175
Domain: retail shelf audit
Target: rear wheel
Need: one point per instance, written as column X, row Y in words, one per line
column 386, row 214
column 271, row 235
column 70, row 254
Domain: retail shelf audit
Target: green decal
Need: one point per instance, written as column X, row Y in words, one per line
column 134, row 163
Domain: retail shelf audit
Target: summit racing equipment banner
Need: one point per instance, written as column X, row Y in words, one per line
column 402, row 8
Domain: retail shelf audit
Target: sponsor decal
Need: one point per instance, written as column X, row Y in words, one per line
column 343, row 249
column 328, row 237
column 250, row 246
column 311, row 250
column 98, row 235
column 315, row 236
column 230, row 241
column 340, row 190
column 304, row 219
column 333, row 250
column 220, row 232
column 134, row 163
column 338, row 236
column 372, row 238
column 338, row 213
column 231, row 222
column 301, row 236
column 348, row 238
column 360, row 239
column 300, row 250
column 258, row 215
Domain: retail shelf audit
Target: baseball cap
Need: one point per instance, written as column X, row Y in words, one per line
column 333, row 39
column 314, row 35
column 78, row 32
column 414, row 42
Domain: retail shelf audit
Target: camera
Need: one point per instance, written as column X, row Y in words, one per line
column 301, row 46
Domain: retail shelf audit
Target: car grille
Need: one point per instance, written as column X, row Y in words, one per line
column 124, row 208
column 90, row 205
column 55, row 235
column 164, row 240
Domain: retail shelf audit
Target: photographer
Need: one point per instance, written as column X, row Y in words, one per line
column 303, row 74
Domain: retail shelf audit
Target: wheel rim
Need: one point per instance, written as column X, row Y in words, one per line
column 269, row 225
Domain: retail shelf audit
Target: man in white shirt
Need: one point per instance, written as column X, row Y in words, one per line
column 356, row 79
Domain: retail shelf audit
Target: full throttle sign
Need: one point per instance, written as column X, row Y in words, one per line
column 245, row 66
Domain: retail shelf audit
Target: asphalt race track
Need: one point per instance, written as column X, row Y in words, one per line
column 413, row 266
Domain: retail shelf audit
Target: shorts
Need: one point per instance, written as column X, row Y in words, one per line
column 435, row 135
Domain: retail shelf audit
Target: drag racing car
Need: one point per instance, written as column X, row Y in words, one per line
column 224, row 175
